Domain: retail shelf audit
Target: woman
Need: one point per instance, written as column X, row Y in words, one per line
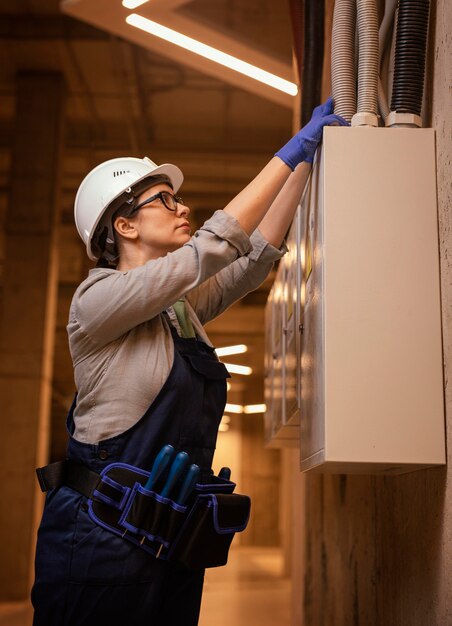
column 145, row 371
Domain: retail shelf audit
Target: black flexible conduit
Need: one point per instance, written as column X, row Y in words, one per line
column 311, row 88
column 410, row 52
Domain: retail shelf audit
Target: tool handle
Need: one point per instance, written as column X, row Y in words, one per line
column 176, row 470
column 160, row 464
column 188, row 484
column 225, row 473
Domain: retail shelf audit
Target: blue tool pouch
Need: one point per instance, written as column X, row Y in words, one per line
column 198, row 534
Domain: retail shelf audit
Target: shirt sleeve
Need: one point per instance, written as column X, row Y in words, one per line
column 230, row 284
column 109, row 302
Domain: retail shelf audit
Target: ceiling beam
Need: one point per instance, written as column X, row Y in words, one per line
column 47, row 27
column 80, row 134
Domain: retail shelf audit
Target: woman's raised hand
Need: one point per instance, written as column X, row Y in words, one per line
column 304, row 144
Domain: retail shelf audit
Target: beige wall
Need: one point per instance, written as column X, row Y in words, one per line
column 378, row 551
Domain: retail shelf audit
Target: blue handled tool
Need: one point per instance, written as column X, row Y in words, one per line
column 177, row 467
column 225, row 473
column 160, row 464
column 189, row 482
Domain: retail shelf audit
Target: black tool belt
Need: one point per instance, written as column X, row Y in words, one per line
column 198, row 534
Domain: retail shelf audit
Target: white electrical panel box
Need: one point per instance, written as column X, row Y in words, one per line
column 369, row 355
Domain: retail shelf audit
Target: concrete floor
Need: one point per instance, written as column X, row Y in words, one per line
column 248, row 591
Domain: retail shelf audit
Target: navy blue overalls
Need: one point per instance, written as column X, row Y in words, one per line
column 87, row 576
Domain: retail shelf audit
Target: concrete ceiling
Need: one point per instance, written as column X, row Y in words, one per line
column 124, row 99
column 246, row 31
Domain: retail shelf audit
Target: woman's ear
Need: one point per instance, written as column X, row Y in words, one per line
column 124, row 227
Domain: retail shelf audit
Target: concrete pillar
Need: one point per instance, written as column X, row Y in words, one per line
column 27, row 324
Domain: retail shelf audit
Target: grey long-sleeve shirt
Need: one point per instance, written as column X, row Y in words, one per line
column 120, row 343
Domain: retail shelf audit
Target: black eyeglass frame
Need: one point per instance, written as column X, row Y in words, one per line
column 161, row 195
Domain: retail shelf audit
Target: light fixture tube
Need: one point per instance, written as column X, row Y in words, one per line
column 133, row 4
column 227, row 350
column 255, row 408
column 213, row 54
column 234, row 408
column 238, row 369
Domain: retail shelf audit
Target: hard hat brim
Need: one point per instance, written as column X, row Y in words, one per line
column 172, row 171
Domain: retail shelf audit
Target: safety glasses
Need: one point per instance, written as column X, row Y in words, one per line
column 168, row 200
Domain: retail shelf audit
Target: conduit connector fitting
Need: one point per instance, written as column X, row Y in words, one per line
column 403, row 119
column 364, row 118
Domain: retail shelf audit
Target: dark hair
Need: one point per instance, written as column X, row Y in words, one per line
column 126, row 208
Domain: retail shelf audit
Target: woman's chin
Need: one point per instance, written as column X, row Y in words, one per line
column 184, row 236
column 178, row 244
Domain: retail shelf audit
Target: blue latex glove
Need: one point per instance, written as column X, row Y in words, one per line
column 304, row 144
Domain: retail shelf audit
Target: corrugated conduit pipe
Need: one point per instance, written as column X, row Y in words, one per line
column 368, row 64
column 343, row 73
column 409, row 64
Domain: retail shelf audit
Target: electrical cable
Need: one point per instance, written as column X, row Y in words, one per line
column 410, row 53
column 314, row 17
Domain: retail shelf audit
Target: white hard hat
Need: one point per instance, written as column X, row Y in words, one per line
column 95, row 199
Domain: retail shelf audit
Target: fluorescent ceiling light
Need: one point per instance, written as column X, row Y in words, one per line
column 212, row 53
column 227, row 350
column 255, row 408
column 133, row 4
column 225, row 419
column 234, row 408
column 238, row 369
column 223, row 428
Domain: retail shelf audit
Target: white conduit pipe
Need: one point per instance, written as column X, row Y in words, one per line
column 386, row 28
column 343, row 58
column 368, row 64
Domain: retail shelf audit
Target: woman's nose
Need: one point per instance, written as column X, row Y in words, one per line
column 182, row 209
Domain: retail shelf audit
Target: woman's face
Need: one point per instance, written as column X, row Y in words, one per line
column 161, row 230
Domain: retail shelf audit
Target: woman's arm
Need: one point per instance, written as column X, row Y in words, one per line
column 278, row 219
column 219, row 292
column 270, row 202
column 245, row 274
column 109, row 302
column 251, row 205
